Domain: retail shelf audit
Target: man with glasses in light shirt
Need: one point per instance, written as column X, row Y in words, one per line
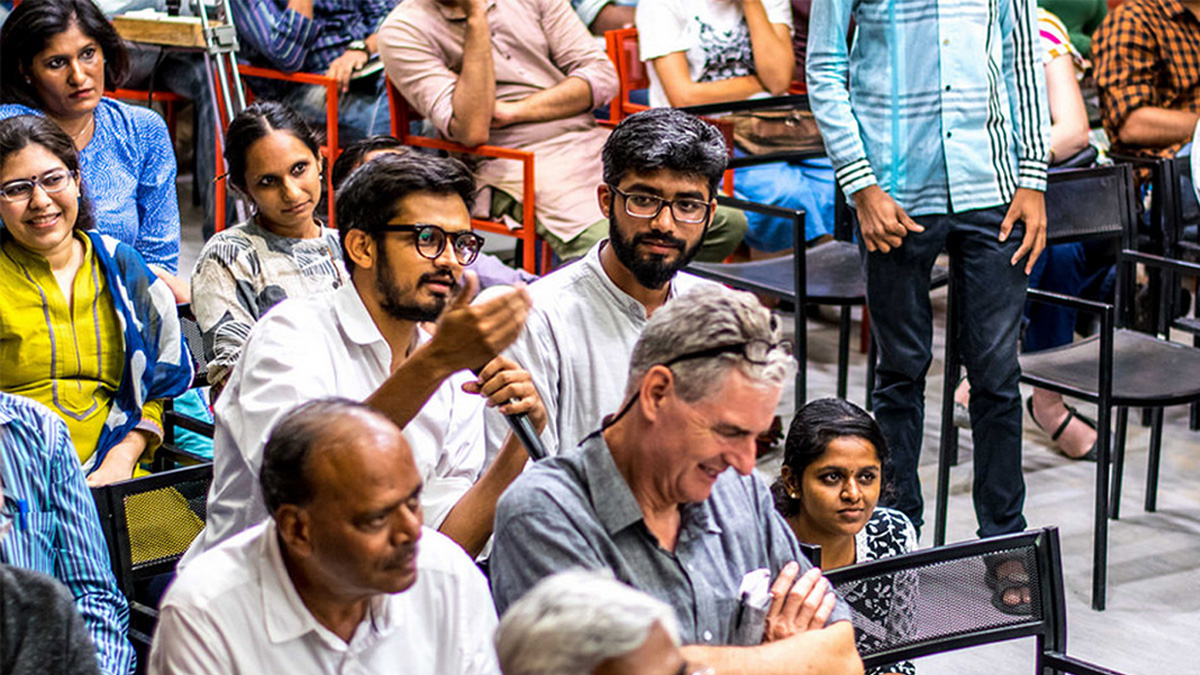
column 649, row 496
column 406, row 239
column 661, row 169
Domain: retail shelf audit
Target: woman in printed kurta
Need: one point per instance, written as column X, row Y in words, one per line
column 57, row 57
column 828, row 488
column 86, row 328
column 283, row 251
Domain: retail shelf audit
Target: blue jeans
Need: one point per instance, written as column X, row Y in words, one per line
column 1078, row 269
column 991, row 294
column 363, row 111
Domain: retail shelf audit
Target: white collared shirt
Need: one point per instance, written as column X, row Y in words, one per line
column 314, row 347
column 577, row 342
column 236, row 611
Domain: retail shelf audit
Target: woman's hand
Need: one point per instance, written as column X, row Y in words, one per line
column 120, row 461
column 179, row 288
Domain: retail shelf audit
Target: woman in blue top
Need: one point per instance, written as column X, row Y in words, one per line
column 56, row 59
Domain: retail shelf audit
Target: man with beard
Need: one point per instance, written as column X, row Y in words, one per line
column 661, row 169
column 342, row 578
column 406, row 239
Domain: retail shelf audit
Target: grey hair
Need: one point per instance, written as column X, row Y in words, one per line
column 709, row 317
column 573, row 621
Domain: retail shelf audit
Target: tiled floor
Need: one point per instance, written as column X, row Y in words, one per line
column 1152, row 624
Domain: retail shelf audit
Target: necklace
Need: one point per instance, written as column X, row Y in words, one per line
column 86, row 127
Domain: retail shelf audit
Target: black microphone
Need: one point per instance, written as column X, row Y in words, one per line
column 522, row 428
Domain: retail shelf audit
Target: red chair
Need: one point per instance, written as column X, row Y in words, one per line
column 622, row 45
column 403, row 114
column 166, row 98
column 329, row 151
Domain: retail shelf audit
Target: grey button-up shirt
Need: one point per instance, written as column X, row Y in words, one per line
column 576, row 510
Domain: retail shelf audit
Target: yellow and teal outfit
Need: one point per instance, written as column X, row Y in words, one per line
column 102, row 361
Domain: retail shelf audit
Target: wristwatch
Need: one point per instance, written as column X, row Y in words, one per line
column 358, row 46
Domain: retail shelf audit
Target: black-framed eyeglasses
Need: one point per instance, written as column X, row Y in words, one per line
column 54, row 180
column 431, row 241
column 757, row 352
column 641, row 205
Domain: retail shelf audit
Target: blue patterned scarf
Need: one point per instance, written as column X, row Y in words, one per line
column 157, row 362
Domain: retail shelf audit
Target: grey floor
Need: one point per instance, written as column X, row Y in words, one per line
column 1152, row 624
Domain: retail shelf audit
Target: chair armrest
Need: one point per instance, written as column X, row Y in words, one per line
column 273, row 74
column 494, row 151
column 192, row 424
column 1158, row 261
column 1090, row 306
column 1059, row 662
column 1134, row 159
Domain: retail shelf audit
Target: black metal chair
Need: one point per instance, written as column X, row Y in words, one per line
column 149, row 522
column 170, row 455
column 949, row 605
column 1118, row 368
column 828, row 274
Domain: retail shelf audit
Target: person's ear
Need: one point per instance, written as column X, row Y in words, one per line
column 604, row 198
column 295, row 529
column 657, row 390
column 361, row 249
column 789, row 481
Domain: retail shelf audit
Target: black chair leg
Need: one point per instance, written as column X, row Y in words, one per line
column 1100, row 525
column 1118, row 463
column 948, row 448
column 1156, row 428
column 872, row 356
column 843, row 351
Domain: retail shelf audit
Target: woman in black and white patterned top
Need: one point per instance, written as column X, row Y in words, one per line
column 828, row 488
column 282, row 251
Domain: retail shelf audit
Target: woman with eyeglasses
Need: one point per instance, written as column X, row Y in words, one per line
column 283, row 251
column 86, row 328
column 57, row 57
column 828, row 489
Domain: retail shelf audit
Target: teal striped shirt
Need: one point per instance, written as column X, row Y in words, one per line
column 55, row 527
column 941, row 103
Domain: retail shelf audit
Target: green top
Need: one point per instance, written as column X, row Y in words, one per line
column 1081, row 17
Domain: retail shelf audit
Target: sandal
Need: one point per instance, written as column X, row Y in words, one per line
column 1017, row 581
column 1072, row 413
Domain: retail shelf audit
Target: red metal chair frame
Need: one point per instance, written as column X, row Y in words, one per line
column 329, row 151
column 403, row 114
column 622, row 46
column 167, row 98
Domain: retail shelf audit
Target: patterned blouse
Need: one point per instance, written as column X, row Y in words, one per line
column 880, row 612
column 246, row 270
column 129, row 176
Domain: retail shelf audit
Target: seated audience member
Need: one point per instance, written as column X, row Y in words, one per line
column 283, row 251
column 532, row 79
column 406, row 240
column 601, row 16
column 713, row 51
column 648, row 497
column 490, row 269
column 661, row 169
column 588, row 623
column 54, row 530
column 342, row 578
column 1145, row 57
column 56, row 59
column 828, row 488
column 86, row 328
column 327, row 37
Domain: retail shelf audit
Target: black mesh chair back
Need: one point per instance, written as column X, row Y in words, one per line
column 944, row 599
column 195, row 342
column 151, row 521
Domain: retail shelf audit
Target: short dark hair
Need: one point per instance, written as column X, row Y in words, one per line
column 285, row 465
column 813, row 428
column 665, row 138
column 255, row 122
column 32, row 24
column 368, row 198
column 21, row 131
column 353, row 155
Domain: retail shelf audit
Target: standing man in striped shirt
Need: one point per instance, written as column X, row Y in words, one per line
column 935, row 118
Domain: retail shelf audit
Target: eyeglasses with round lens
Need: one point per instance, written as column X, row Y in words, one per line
column 55, row 180
column 431, row 241
column 641, row 205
